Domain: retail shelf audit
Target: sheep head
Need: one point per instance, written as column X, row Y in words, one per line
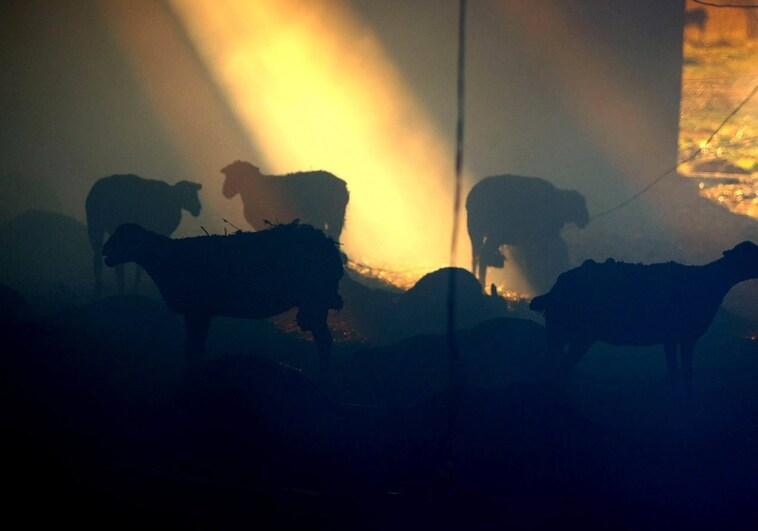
column 187, row 192
column 128, row 243
column 237, row 173
column 491, row 256
column 743, row 258
column 575, row 208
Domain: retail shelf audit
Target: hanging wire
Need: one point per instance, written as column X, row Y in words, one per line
column 683, row 161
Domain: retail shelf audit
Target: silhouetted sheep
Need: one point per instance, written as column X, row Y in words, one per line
column 314, row 197
column 635, row 304
column 251, row 275
column 119, row 199
column 524, row 212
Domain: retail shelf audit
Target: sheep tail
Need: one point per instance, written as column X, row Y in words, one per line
column 539, row 304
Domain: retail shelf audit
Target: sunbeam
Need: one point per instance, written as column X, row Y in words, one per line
column 315, row 90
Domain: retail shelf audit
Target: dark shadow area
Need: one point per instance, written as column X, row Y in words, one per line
column 20, row 192
column 380, row 316
column 44, row 256
column 107, row 425
column 99, row 404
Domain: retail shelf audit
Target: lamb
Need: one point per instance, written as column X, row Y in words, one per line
column 314, row 197
column 252, row 275
column 153, row 204
column 635, row 304
column 527, row 213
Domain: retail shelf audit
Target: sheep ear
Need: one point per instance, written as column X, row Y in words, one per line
column 741, row 248
column 198, row 186
column 732, row 251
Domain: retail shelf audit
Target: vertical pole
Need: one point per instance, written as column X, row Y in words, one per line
column 455, row 377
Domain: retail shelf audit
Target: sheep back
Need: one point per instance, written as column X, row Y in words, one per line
column 250, row 274
column 315, row 197
column 630, row 304
column 318, row 197
column 119, row 199
column 514, row 210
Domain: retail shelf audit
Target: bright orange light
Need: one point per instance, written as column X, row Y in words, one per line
column 315, row 90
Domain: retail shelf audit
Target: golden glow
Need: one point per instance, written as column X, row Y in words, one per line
column 183, row 99
column 314, row 90
column 720, row 70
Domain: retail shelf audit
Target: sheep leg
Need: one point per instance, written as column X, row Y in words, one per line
column 670, row 349
column 324, row 344
column 315, row 321
column 476, row 248
column 474, row 256
column 97, row 266
column 576, row 350
column 96, row 236
column 482, row 271
column 554, row 347
column 120, row 278
column 137, row 278
column 687, row 350
column 197, row 333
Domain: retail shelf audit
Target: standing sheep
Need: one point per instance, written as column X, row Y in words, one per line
column 527, row 213
column 252, row 275
column 120, row 199
column 635, row 304
column 314, row 197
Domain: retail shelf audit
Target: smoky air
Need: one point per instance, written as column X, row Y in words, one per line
column 379, row 265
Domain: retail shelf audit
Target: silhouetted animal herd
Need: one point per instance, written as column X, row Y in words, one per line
column 296, row 262
column 107, row 420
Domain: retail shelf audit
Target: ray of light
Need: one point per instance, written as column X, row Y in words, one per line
column 314, row 90
column 197, row 122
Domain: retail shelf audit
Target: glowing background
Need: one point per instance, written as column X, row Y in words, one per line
column 314, row 90
column 566, row 90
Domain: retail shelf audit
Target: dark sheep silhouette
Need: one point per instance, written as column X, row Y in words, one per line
column 635, row 304
column 118, row 199
column 314, row 197
column 251, row 275
column 527, row 213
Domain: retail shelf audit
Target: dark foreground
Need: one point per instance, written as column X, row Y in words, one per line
column 103, row 427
